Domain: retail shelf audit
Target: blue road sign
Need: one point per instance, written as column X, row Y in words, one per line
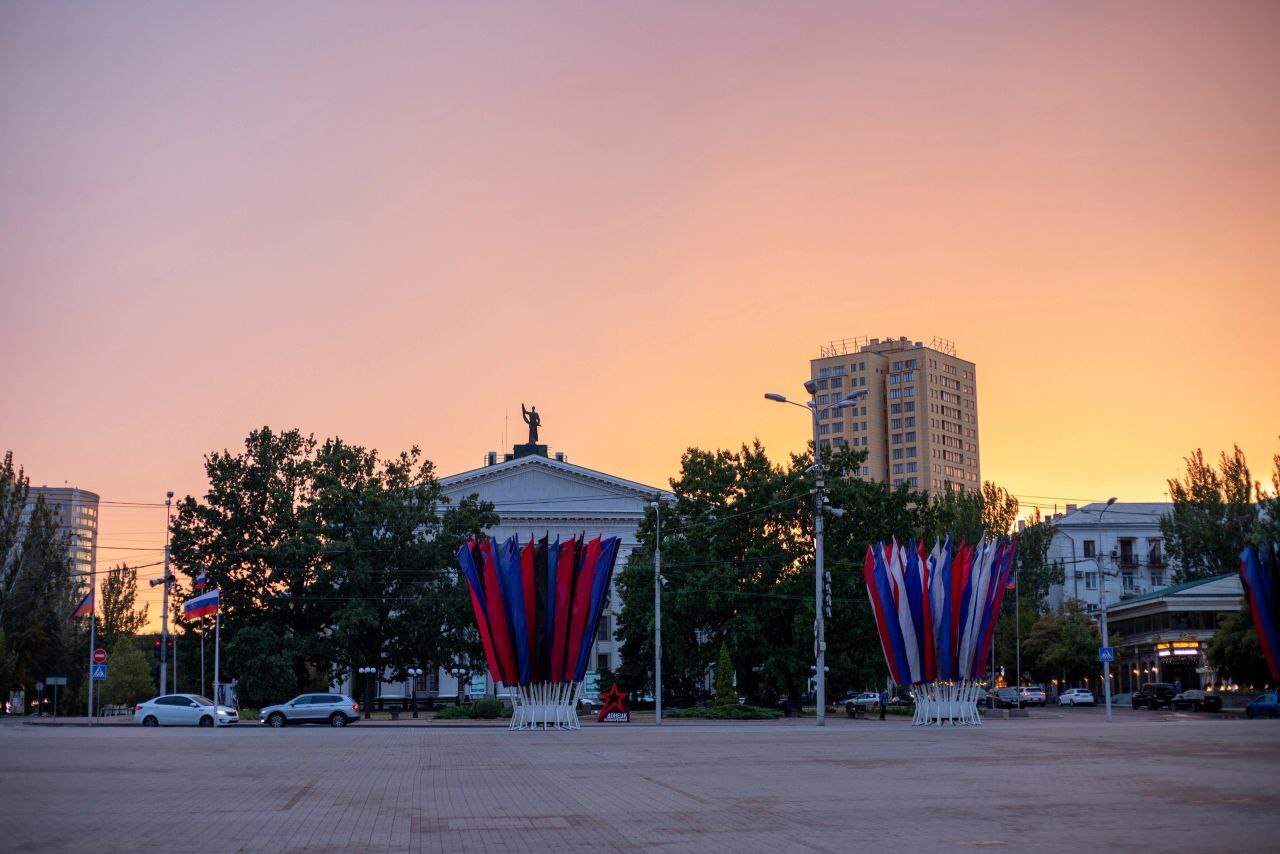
column 98, row 671
column 1106, row 653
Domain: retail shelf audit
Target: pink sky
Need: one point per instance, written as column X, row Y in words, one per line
column 395, row 223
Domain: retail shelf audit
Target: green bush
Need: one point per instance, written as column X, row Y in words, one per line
column 454, row 713
column 487, row 708
column 725, row 713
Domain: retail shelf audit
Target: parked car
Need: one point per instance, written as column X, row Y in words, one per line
column 1153, row 695
column 1263, row 706
column 590, row 704
column 1196, row 701
column 336, row 710
column 1032, row 695
column 183, row 710
column 867, row 699
column 1076, row 697
column 1005, row 698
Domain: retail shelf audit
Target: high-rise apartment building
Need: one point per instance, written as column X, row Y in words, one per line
column 77, row 513
column 918, row 422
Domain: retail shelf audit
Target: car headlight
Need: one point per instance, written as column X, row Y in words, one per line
column 223, row 712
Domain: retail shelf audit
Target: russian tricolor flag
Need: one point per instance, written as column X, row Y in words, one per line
column 84, row 609
column 202, row 605
column 201, row 580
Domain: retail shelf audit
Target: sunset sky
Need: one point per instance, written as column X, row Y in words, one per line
column 395, row 223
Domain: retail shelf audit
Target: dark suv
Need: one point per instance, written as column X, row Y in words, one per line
column 1005, row 698
column 1153, row 695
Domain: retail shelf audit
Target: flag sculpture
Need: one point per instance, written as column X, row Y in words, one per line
column 936, row 613
column 1260, row 572
column 538, row 607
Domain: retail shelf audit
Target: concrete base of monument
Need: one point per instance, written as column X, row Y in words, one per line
column 529, row 450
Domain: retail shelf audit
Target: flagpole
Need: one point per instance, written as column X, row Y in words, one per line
column 202, row 634
column 217, row 633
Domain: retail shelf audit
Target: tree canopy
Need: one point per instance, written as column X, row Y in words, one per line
column 328, row 557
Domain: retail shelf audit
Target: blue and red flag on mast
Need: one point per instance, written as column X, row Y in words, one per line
column 202, row 605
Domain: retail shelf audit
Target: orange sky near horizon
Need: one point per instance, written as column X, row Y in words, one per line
column 395, row 223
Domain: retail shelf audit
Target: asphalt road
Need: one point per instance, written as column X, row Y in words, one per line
column 1055, row 781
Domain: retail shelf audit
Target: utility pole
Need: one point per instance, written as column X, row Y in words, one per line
column 657, row 615
column 1102, row 604
column 164, row 609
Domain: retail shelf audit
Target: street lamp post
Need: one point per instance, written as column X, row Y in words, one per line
column 820, row 509
column 414, row 673
column 1102, row 604
column 164, row 608
column 367, row 673
column 457, row 673
column 657, row 615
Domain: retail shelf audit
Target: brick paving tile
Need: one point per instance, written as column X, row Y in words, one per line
column 1060, row 780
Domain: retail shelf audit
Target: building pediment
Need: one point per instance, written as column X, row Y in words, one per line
column 540, row 487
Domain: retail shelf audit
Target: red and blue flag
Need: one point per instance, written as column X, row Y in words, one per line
column 202, row 605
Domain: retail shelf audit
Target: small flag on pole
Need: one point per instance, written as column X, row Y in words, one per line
column 202, row 605
column 84, row 609
column 201, row 580
column 1013, row 582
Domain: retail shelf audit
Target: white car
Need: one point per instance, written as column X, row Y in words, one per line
column 183, row 710
column 1076, row 697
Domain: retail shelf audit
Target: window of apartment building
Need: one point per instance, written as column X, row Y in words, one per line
column 838, row 441
column 862, row 381
column 1126, row 580
column 824, row 372
column 604, row 634
column 896, row 439
column 894, row 379
column 1155, row 551
column 911, row 452
column 837, row 382
column 895, row 393
column 914, row 482
column 909, row 391
column 1091, row 581
column 910, row 364
column 1089, row 549
column 824, row 398
column 896, row 424
column 909, row 376
column 866, row 470
column 911, row 422
column 897, row 366
column 1157, row 579
column 822, row 383
column 895, row 407
column 897, row 453
column 1126, row 552
column 897, row 468
column 897, row 481
column 864, row 441
column 862, row 366
column 837, row 370
column 909, row 406
column 602, row 661
column 911, row 437
column 912, row 467
column 864, row 424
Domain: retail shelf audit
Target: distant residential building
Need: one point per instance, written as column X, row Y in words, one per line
column 1162, row 636
column 77, row 513
column 1121, row 548
column 919, row 420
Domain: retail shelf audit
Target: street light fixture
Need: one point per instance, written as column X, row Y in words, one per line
column 367, row 672
column 414, row 673
column 820, row 508
column 1102, row 604
column 458, row 673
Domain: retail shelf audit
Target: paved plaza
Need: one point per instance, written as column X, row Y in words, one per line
column 1057, row 781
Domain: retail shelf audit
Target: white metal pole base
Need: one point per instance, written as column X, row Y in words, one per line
column 546, row 705
column 947, row 704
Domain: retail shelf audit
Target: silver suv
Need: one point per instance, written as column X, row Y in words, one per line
column 1032, row 695
column 333, row 709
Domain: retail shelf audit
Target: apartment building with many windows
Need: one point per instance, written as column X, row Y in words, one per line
column 919, row 420
column 77, row 513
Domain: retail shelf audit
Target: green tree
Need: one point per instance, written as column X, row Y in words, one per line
column 264, row 664
column 128, row 676
column 341, row 557
column 118, row 615
column 1062, row 646
column 726, row 693
column 1214, row 515
column 1236, row 651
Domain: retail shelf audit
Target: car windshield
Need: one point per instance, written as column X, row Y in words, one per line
column 204, row 701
